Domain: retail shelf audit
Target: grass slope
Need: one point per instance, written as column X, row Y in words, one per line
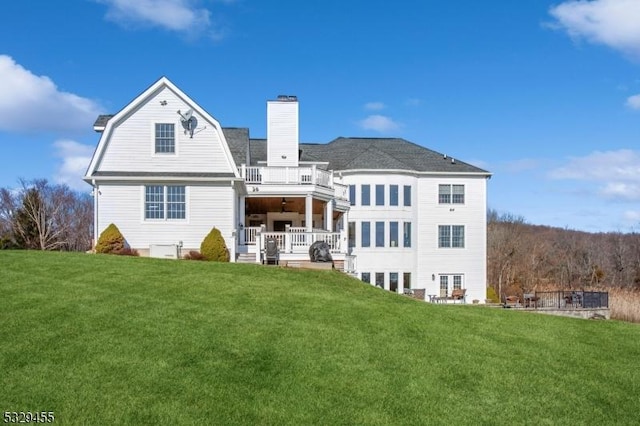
column 104, row 340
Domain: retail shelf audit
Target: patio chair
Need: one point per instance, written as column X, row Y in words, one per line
column 530, row 300
column 271, row 252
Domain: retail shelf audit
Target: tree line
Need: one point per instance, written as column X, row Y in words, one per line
column 524, row 258
column 38, row 215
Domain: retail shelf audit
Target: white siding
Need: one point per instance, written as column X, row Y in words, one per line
column 424, row 259
column 385, row 259
column 207, row 206
column 469, row 261
column 131, row 144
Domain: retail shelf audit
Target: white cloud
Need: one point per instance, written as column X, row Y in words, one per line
column 75, row 159
column 616, row 174
column 633, row 102
column 621, row 190
column 31, row 103
column 613, row 23
column 610, row 165
column 379, row 123
column 374, row 106
column 182, row 16
column 632, row 216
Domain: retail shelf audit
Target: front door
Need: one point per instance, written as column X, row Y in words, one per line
column 280, row 225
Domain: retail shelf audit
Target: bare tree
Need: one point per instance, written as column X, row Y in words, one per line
column 46, row 217
column 523, row 257
column 504, row 234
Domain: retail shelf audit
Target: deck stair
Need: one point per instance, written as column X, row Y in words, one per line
column 246, row 258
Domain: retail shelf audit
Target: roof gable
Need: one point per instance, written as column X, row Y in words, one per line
column 165, row 87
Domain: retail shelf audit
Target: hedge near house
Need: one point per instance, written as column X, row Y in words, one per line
column 111, row 241
column 214, row 248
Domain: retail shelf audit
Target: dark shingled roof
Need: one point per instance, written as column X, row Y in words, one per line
column 368, row 153
column 101, row 121
column 238, row 141
column 346, row 153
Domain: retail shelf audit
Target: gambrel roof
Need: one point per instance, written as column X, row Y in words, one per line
column 341, row 154
column 106, row 124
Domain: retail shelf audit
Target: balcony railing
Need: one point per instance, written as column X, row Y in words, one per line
column 341, row 191
column 310, row 175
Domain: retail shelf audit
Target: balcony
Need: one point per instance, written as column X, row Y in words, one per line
column 310, row 175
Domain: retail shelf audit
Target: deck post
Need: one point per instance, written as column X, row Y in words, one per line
column 328, row 215
column 308, row 212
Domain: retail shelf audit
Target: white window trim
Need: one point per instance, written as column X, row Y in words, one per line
column 143, row 194
column 450, row 246
column 451, row 185
column 176, row 136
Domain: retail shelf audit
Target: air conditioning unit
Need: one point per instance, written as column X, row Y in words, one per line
column 163, row 251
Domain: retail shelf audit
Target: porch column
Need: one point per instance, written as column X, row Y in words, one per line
column 308, row 212
column 241, row 220
column 344, row 234
column 328, row 216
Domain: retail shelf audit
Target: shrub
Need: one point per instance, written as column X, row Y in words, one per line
column 193, row 255
column 214, row 248
column 6, row 243
column 491, row 295
column 127, row 251
column 110, row 241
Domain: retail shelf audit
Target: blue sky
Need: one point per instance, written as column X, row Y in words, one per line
column 544, row 94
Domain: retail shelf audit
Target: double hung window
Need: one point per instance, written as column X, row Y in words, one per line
column 451, row 236
column 450, row 194
column 165, row 140
column 165, row 202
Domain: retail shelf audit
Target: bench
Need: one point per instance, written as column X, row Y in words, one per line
column 511, row 302
column 459, row 294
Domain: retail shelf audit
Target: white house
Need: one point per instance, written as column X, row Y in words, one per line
column 395, row 214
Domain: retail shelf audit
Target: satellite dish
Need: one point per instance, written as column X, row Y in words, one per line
column 188, row 121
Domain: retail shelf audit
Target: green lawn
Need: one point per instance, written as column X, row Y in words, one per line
column 110, row 340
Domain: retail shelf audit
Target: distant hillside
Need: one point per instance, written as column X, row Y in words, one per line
column 523, row 257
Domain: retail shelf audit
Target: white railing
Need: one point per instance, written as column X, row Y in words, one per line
column 350, row 264
column 248, row 235
column 299, row 242
column 297, row 229
column 341, row 191
column 287, row 175
column 324, row 178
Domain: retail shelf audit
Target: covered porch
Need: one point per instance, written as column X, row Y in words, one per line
column 294, row 221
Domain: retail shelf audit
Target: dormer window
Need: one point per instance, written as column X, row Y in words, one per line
column 165, row 138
